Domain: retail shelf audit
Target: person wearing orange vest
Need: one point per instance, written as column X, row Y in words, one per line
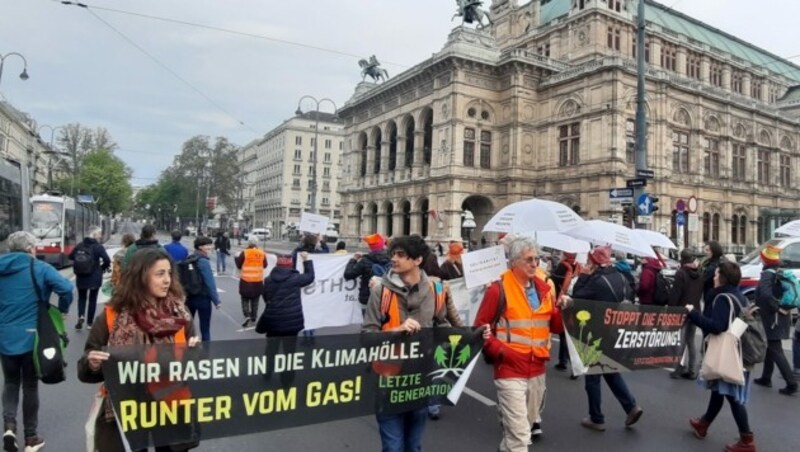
column 410, row 305
column 146, row 308
column 516, row 313
column 251, row 262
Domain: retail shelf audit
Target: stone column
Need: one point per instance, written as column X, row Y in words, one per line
column 384, row 173
column 655, row 53
column 400, row 161
column 680, row 66
column 705, row 69
column 397, row 224
column 726, row 78
column 764, row 94
column 419, row 136
column 370, row 162
column 382, row 222
column 746, row 84
column 416, row 222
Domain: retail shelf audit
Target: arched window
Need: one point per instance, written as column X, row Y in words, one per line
column 715, row 227
column 735, row 229
column 742, row 230
column 377, row 164
column 706, row 227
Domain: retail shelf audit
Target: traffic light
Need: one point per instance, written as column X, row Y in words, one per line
column 626, row 215
column 654, row 202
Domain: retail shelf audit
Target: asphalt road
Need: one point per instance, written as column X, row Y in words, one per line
column 472, row 425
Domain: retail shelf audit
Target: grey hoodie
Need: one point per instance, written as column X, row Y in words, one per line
column 417, row 302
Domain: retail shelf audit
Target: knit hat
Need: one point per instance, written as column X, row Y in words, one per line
column 375, row 242
column 285, row 260
column 455, row 249
column 771, row 255
column 601, row 255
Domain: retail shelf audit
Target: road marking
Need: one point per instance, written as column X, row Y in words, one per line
column 249, row 328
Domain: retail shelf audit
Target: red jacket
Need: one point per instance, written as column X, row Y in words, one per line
column 647, row 281
column 508, row 363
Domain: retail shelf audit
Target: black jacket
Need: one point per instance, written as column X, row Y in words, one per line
column 223, row 244
column 363, row 269
column 283, row 314
column 687, row 287
column 605, row 284
column 708, row 268
column 452, row 270
column 716, row 313
column 768, row 295
column 95, row 280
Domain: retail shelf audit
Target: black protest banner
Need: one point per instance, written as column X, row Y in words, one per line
column 168, row 394
column 617, row 337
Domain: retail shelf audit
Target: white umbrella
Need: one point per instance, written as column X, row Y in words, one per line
column 619, row 237
column 654, row 238
column 560, row 241
column 791, row 229
column 533, row 215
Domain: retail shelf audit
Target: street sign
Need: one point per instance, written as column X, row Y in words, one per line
column 692, row 204
column 680, row 205
column 680, row 219
column 644, row 219
column 633, row 183
column 644, row 205
column 618, row 196
column 645, row 174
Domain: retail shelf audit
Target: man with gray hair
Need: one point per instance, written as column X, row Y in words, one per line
column 516, row 313
column 19, row 271
column 86, row 260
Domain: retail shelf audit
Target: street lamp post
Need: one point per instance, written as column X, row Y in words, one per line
column 468, row 225
column 299, row 112
column 24, row 74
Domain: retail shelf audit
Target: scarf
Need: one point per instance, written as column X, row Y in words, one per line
column 156, row 323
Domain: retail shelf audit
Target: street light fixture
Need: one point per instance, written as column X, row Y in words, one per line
column 299, row 112
column 24, row 74
column 468, row 224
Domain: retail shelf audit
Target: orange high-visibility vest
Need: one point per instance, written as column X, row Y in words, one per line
column 160, row 390
column 521, row 328
column 253, row 265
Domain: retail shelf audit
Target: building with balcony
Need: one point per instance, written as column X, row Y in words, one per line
column 542, row 104
column 283, row 168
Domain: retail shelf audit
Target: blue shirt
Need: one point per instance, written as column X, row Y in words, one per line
column 533, row 296
column 177, row 251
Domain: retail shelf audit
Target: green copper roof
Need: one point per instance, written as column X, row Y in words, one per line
column 683, row 24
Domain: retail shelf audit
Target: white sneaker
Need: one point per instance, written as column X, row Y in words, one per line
column 10, row 441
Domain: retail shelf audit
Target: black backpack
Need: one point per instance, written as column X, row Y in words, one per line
column 83, row 261
column 663, row 289
column 190, row 276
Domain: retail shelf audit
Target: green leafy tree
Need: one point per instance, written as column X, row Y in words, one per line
column 107, row 178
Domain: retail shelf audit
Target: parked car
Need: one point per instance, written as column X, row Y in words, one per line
column 190, row 231
column 751, row 263
column 261, row 234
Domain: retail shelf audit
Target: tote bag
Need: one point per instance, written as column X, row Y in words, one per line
column 723, row 356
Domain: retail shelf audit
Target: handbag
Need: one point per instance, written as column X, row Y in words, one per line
column 723, row 356
column 50, row 341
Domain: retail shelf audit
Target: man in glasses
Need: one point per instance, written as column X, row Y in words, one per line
column 414, row 302
column 516, row 313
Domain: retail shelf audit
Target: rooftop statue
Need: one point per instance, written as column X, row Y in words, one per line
column 470, row 11
column 373, row 69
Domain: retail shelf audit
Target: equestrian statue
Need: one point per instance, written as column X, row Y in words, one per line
column 470, row 11
column 373, row 69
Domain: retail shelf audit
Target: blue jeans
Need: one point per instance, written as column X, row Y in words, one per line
column 796, row 350
column 221, row 261
column 402, row 432
column 618, row 388
column 203, row 306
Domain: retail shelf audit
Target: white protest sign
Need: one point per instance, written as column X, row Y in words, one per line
column 313, row 223
column 484, row 266
column 467, row 301
column 330, row 300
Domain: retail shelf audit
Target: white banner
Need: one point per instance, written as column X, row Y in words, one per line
column 484, row 266
column 330, row 300
column 313, row 223
column 467, row 301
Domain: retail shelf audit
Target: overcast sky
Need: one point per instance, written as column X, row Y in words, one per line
column 83, row 71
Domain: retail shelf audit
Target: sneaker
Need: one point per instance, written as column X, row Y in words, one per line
column 33, row 443
column 675, row 374
column 633, row 416
column 10, row 441
column 536, row 430
column 89, row 325
column 763, row 382
column 789, row 390
column 587, row 422
column 689, row 375
column 79, row 325
column 246, row 323
column 561, row 367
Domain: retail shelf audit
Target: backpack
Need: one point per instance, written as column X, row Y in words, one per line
column 790, row 288
column 754, row 338
column 381, row 269
column 663, row 289
column 50, row 341
column 83, row 261
column 438, row 292
column 190, row 276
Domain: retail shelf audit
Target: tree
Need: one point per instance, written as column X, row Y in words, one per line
column 77, row 141
column 107, row 178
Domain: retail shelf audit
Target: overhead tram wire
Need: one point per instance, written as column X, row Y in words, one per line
column 163, row 66
column 229, row 31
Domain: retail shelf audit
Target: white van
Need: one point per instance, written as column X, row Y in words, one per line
column 261, row 234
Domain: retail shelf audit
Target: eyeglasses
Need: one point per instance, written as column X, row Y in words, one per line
column 399, row 253
column 533, row 260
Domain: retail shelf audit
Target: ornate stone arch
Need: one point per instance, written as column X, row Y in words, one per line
column 786, row 143
column 570, row 107
column 632, row 99
column 404, row 122
column 421, row 115
column 765, row 138
column 740, row 131
column 711, row 123
column 682, row 117
column 374, row 133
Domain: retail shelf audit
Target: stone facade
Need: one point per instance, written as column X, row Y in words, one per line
column 21, row 144
column 542, row 104
column 281, row 165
